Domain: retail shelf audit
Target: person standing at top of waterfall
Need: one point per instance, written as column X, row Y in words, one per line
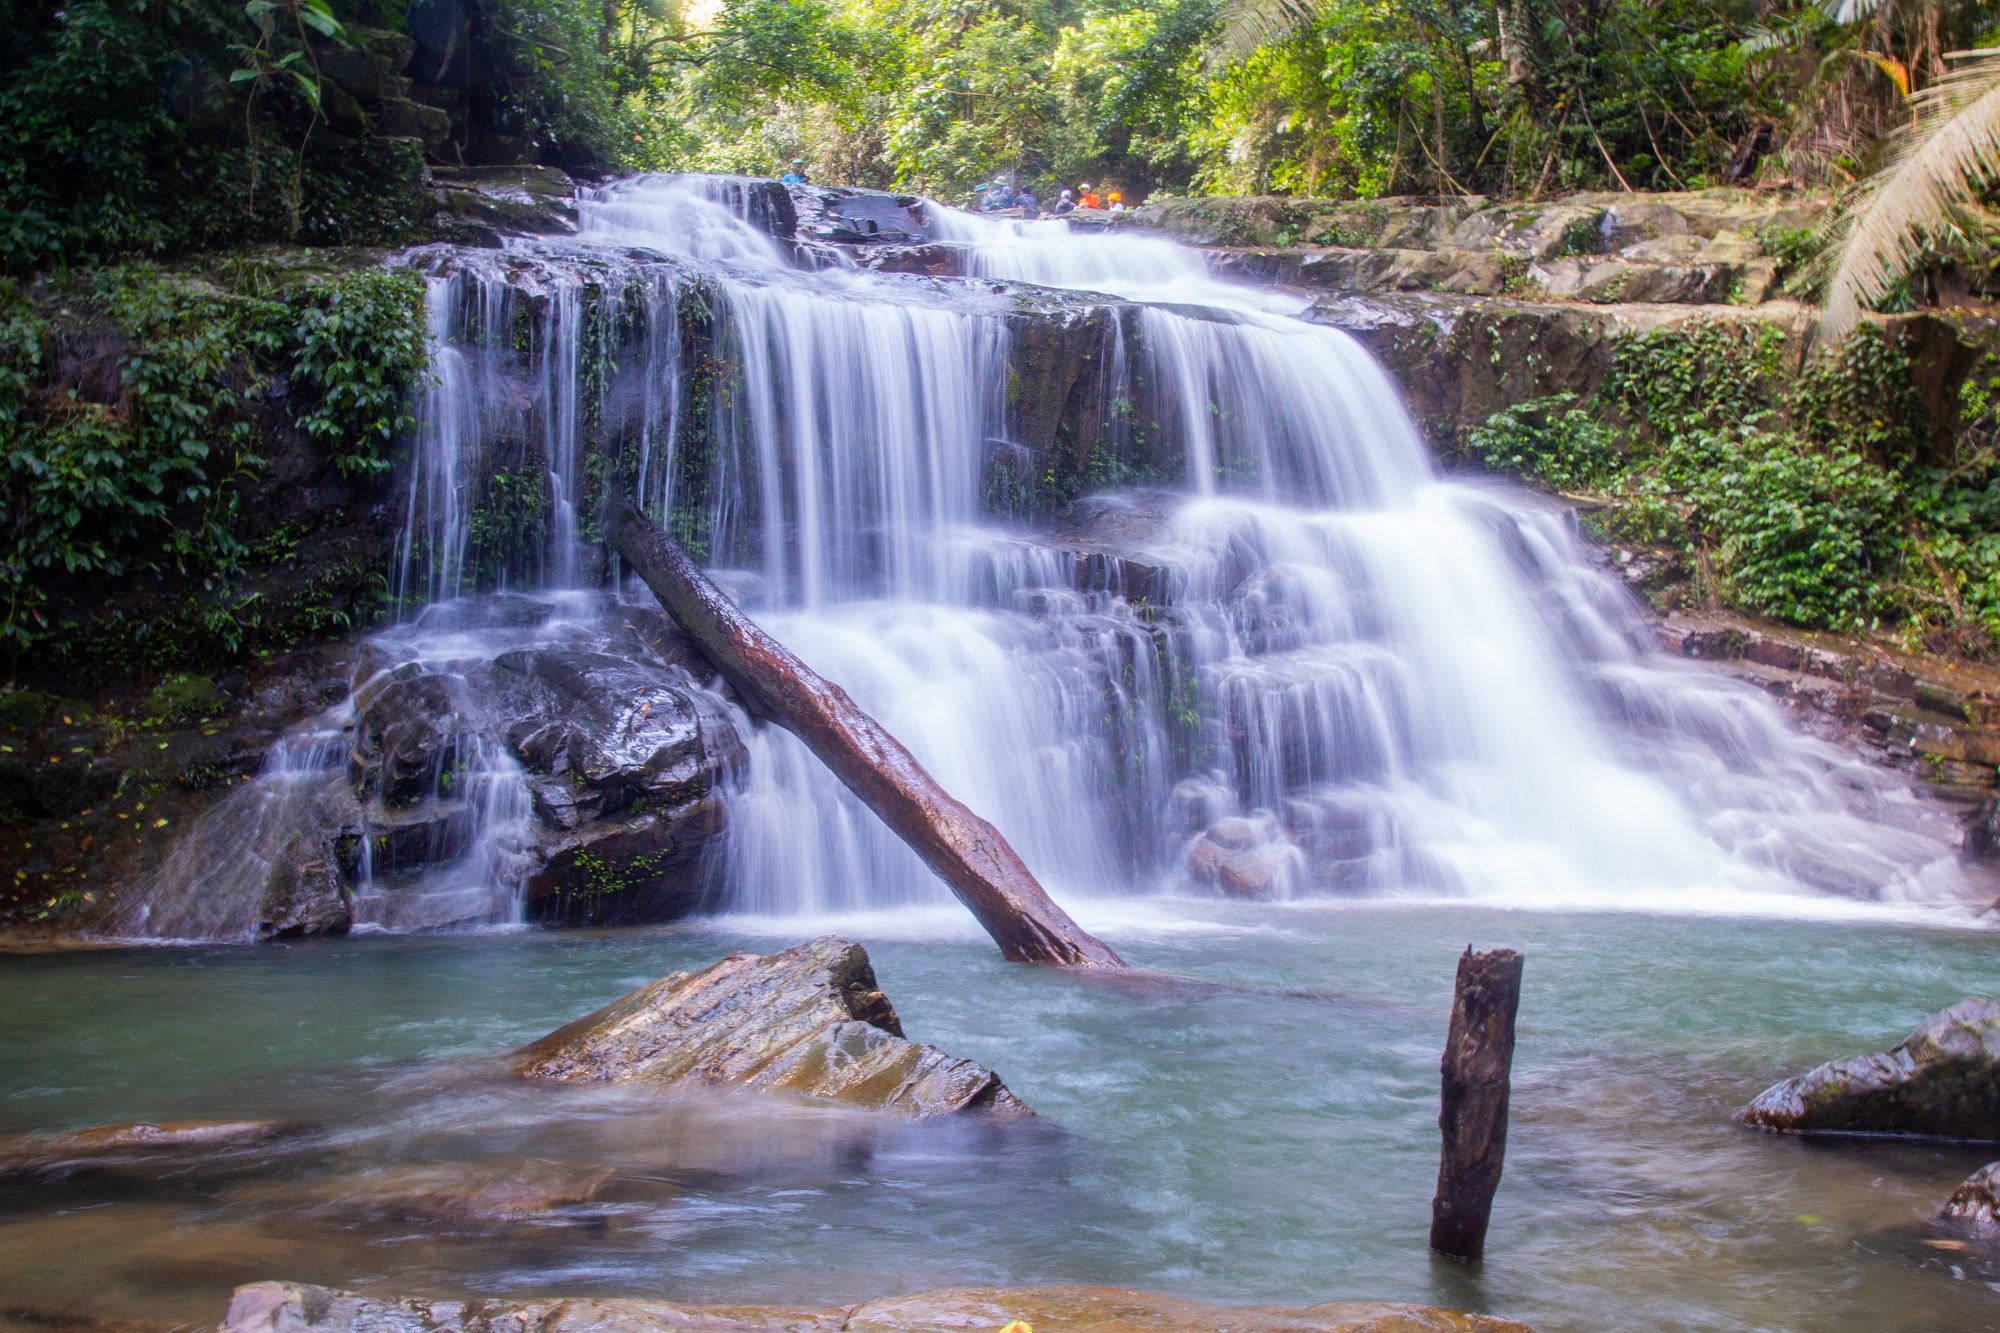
column 1087, row 197
column 1031, row 207
column 1066, row 204
column 1117, row 202
column 797, row 175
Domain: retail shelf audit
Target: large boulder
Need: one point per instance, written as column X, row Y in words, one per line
column 1942, row 1081
column 810, row 1021
column 601, row 733
column 294, row 1307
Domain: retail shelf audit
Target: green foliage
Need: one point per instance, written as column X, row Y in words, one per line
column 151, row 483
column 1549, row 440
column 514, row 519
column 136, row 128
column 1799, row 534
column 1802, row 494
column 361, row 342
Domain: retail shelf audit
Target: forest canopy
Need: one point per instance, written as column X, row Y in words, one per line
column 151, row 126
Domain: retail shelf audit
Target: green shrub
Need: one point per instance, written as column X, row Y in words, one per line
column 1549, row 440
column 1804, row 536
column 151, row 486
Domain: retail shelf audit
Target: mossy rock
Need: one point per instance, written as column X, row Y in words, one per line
column 23, row 710
column 182, row 700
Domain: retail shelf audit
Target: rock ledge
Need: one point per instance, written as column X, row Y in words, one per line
column 292, row 1307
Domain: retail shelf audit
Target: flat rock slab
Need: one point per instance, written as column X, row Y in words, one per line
column 1942, row 1081
column 809, row 1021
column 139, row 1139
column 292, row 1307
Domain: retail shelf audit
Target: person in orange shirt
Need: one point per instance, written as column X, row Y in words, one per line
column 1088, row 197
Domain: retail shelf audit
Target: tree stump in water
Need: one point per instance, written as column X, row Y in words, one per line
column 1478, row 1060
column 964, row 850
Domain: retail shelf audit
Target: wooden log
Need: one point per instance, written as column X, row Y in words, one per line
column 966, row 852
column 1478, row 1059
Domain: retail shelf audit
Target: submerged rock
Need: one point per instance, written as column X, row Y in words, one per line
column 451, row 1193
column 1975, row 1205
column 810, row 1020
column 48, row 1152
column 294, row 1307
column 1942, row 1081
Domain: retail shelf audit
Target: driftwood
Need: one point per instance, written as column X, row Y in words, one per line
column 966, row 852
column 1478, row 1060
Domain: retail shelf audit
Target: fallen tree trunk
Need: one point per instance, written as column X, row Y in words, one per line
column 966, row 852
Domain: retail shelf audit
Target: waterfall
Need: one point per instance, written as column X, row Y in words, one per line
column 1270, row 652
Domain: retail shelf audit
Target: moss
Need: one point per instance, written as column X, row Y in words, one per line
column 23, row 710
column 183, row 701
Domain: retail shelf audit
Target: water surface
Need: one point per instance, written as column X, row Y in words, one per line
column 1233, row 1145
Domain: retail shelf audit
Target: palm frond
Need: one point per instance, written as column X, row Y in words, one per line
column 1850, row 11
column 1782, row 33
column 1939, row 162
column 1248, row 25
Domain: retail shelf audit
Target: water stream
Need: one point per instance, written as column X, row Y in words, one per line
column 1271, row 654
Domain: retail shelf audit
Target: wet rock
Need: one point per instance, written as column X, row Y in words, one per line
column 293, row 1307
column 478, row 205
column 619, row 730
column 1975, row 1205
column 409, row 726
column 810, row 1020
column 55, row 1152
column 452, row 1193
column 644, row 867
column 307, row 892
column 1942, row 1081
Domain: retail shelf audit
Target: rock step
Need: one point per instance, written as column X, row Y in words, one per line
column 1596, row 279
column 1947, row 732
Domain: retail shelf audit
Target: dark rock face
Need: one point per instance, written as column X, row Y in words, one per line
column 809, row 1021
column 1942, row 1081
column 621, row 751
column 1975, row 1205
column 293, row 1307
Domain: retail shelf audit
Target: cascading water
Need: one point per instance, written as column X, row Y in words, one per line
column 1276, row 656
column 1413, row 687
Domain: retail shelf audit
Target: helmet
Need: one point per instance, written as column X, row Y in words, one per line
column 1066, row 194
column 1116, row 195
column 798, row 161
column 1084, row 186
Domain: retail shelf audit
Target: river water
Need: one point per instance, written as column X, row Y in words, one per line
column 1234, row 1146
column 1423, row 716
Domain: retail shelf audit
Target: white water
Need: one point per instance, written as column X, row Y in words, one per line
column 1394, row 684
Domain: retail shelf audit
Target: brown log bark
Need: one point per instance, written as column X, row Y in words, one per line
column 1478, row 1060
column 966, row 852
